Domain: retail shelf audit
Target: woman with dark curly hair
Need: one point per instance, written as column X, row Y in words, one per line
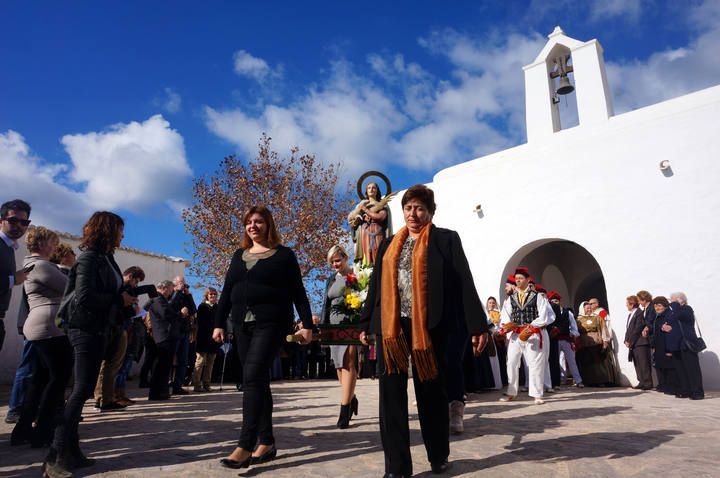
column 91, row 299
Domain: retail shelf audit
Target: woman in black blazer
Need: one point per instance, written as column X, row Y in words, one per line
column 261, row 287
column 421, row 290
column 92, row 297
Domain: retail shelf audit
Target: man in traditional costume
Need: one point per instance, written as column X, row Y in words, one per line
column 566, row 332
column 524, row 318
column 552, row 364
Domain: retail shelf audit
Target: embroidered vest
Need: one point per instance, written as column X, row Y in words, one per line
column 524, row 315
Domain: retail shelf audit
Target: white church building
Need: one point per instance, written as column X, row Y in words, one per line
column 614, row 205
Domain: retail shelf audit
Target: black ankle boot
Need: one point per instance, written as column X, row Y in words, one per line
column 344, row 420
column 354, row 405
column 55, row 465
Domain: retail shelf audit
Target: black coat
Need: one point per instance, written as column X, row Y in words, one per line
column 685, row 323
column 165, row 318
column 269, row 290
column 660, row 341
column 180, row 299
column 452, row 298
column 94, row 280
column 206, row 323
column 7, row 268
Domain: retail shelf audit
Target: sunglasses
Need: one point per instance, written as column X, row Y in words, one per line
column 16, row 220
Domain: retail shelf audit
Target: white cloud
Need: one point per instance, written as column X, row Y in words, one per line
column 38, row 182
column 348, row 120
column 673, row 72
column 395, row 112
column 134, row 166
column 430, row 123
column 255, row 68
column 609, row 9
column 172, row 102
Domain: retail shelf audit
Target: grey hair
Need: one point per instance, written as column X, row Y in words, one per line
column 163, row 284
column 336, row 249
column 680, row 296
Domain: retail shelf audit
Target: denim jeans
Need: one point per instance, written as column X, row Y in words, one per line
column 88, row 349
column 23, row 375
column 181, row 361
column 124, row 371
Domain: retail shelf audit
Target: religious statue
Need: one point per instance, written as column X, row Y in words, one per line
column 370, row 220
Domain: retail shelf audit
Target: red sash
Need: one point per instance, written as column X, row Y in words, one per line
column 532, row 329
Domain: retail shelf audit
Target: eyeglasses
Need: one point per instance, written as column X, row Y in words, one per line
column 16, row 220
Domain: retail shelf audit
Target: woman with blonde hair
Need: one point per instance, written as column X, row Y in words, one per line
column 345, row 357
column 44, row 289
column 206, row 348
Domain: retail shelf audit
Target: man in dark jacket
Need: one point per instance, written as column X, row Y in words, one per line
column 185, row 304
column 166, row 322
column 638, row 344
column 14, row 221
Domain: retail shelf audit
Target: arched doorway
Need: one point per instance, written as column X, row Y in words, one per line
column 564, row 266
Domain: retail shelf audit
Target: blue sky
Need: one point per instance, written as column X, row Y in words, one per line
column 119, row 105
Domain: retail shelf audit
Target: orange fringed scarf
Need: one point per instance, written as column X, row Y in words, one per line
column 395, row 346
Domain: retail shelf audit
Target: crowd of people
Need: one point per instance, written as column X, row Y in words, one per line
column 86, row 322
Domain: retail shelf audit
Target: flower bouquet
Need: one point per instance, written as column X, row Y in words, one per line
column 355, row 293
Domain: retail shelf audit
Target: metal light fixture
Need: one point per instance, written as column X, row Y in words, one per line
column 664, row 165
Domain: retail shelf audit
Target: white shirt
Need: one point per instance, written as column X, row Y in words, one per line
column 545, row 314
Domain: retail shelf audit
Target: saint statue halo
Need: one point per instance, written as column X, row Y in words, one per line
column 362, row 191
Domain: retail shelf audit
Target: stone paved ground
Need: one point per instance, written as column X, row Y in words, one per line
column 577, row 433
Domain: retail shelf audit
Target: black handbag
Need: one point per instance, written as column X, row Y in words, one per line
column 696, row 344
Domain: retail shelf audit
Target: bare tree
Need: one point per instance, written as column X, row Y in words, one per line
column 307, row 201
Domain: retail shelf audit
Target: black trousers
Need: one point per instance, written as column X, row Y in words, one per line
column 88, row 349
column 150, row 357
column 46, row 393
column 458, row 346
column 687, row 367
column 554, row 364
column 257, row 344
column 432, row 403
column 642, row 362
column 164, row 353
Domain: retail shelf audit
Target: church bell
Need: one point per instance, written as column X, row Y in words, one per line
column 565, row 87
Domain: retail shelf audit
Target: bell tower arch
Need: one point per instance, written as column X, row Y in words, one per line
column 548, row 76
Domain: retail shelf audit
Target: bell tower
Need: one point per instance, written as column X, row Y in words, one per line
column 548, row 77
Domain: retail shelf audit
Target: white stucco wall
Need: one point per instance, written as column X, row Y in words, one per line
column 156, row 268
column 602, row 188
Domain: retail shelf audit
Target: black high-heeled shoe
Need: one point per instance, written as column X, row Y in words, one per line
column 265, row 457
column 344, row 419
column 234, row 464
column 354, row 405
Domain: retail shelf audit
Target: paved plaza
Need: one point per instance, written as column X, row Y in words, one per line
column 577, row 433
